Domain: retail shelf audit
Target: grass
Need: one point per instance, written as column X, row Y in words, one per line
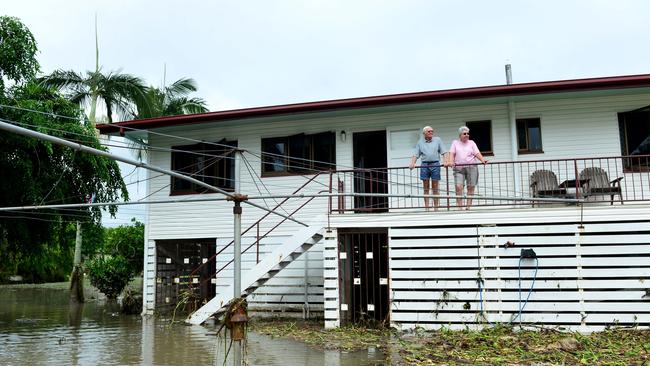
column 499, row 345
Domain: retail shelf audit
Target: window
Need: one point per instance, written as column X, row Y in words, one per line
column 529, row 135
column 211, row 164
column 634, row 131
column 298, row 154
column 481, row 134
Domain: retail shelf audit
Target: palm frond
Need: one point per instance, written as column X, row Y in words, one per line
column 172, row 100
column 180, row 88
column 62, row 80
column 195, row 105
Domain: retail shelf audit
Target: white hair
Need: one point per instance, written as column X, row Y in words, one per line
column 463, row 129
column 425, row 128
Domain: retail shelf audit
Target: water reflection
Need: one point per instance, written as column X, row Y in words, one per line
column 37, row 326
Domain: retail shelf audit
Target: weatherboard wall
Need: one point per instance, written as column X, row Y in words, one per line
column 593, row 268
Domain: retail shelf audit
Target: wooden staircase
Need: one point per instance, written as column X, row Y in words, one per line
column 273, row 263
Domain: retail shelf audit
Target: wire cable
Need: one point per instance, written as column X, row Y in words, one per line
column 530, row 291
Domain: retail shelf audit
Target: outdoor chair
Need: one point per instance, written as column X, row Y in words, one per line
column 598, row 184
column 543, row 183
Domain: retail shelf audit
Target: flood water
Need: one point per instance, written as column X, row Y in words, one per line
column 38, row 327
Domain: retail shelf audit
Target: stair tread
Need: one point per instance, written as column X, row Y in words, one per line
column 250, row 282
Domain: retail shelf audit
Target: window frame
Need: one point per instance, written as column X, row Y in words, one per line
column 309, row 152
column 525, row 122
column 628, row 166
column 210, row 174
column 469, row 124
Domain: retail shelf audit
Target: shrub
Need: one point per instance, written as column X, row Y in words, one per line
column 109, row 275
column 127, row 241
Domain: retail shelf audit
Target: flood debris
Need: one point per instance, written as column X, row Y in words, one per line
column 499, row 345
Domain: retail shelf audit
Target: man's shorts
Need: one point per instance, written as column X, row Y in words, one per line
column 467, row 173
column 430, row 170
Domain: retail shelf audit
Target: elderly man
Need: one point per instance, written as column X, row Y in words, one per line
column 428, row 149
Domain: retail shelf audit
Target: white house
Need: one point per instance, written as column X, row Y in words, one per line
column 369, row 248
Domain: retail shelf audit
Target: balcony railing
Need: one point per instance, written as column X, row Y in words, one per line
column 610, row 180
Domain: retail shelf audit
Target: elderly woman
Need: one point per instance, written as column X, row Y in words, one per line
column 463, row 156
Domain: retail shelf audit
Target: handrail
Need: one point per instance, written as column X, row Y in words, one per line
column 264, row 236
column 256, row 223
column 503, row 162
column 499, row 176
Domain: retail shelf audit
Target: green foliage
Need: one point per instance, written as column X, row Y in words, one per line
column 127, row 241
column 120, row 258
column 17, row 51
column 94, row 237
column 118, row 91
column 38, row 244
column 50, row 264
column 109, row 275
column 37, row 172
column 171, row 100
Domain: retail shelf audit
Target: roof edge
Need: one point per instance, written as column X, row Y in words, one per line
column 614, row 82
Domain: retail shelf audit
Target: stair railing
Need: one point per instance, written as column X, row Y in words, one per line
column 256, row 224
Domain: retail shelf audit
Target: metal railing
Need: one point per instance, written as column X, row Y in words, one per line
column 615, row 180
column 211, row 261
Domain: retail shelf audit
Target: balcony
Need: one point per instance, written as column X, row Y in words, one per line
column 532, row 183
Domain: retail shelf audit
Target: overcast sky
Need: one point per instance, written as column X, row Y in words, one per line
column 254, row 53
column 257, row 53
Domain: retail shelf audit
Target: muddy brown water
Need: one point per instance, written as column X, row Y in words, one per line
column 38, row 327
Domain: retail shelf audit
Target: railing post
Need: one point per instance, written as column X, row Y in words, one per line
column 575, row 172
column 329, row 209
column 341, row 198
column 257, row 255
column 447, row 183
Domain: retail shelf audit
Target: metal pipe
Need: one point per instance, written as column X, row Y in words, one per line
column 306, row 305
column 237, row 358
column 237, row 230
column 237, row 250
column 499, row 198
column 59, row 141
column 508, row 74
column 100, row 204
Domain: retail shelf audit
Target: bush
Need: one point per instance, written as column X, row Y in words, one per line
column 126, row 241
column 110, row 275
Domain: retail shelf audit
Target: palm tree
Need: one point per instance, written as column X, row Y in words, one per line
column 171, row 100
column 117, row 91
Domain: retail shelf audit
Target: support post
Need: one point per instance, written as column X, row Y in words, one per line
column 237, row 210
column 237, row 249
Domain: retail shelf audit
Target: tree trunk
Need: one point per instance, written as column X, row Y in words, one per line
column 77, row 277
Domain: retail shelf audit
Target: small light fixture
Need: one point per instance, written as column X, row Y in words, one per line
column 344, row 136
